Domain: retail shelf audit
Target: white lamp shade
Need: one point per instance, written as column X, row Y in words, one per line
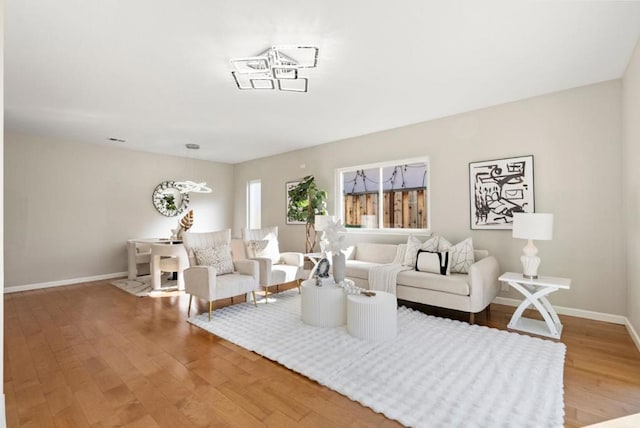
column 536, row 226
column 321, row 222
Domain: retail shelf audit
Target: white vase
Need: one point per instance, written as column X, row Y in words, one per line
column 339, row 267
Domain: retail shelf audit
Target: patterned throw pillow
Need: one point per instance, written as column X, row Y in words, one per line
column 218, row 256
column 462, row 256
column 414, row 244
column 437, row 262
column 267, row 248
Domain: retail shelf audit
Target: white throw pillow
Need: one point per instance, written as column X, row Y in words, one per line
column 462, row 256
column 438, row 262
column 265, row 248
column 218, row 256
column 414, row 244
column 443, row 245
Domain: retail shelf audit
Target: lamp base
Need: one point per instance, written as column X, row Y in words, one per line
column 530, row 266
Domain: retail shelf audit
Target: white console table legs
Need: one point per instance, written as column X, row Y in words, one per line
column 535, row 292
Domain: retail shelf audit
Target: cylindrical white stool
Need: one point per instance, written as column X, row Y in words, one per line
column 324, row 306
column 372, row 318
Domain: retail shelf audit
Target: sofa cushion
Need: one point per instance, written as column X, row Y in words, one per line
column 358, row 269
column 462, row 256
column 376, row 253
column 433, row 262
column 454, row 283
column 281, row 274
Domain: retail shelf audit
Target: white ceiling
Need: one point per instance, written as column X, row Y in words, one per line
column 156, row 72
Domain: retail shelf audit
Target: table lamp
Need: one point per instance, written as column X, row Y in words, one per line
column 532, row 226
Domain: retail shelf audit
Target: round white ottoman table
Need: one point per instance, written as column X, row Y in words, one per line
column 324, row 306
column 372, row 318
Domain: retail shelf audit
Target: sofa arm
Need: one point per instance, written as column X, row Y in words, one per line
column 264, row 270
column 247, row 267
column 293, row 259
column 200, row 281
column 483, row 283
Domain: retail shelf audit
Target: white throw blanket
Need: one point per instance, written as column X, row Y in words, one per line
column 383, row 277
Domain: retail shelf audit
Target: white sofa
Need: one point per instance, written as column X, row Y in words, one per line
column 472, row 292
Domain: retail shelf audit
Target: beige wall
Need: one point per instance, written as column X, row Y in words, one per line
column 631, row 156
column 70, row 207
column 575, row 139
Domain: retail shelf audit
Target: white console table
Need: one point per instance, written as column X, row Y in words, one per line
column 535, row 292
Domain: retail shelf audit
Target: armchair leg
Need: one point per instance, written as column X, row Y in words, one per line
column 298, row 285
column 255, row 303
column 210, row 304
column 488, row 309
column 472, row 318
column 189, row 310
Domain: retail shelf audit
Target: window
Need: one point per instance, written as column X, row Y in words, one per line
column 390, row 195
column 254, row 194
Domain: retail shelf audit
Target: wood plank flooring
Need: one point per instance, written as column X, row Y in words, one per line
column 93, row 355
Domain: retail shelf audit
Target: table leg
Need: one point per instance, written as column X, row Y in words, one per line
column 315, row 266
column 533, row 299
column 155, row 272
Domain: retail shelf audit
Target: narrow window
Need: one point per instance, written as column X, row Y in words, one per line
column 254, row 194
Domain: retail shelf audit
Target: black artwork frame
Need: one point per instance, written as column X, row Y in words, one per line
column 498, row 189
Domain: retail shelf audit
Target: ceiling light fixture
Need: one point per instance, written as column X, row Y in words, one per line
column 275, row 68
column 189, row 186
column 192, row 146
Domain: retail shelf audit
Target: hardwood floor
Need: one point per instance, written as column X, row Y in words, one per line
column 93, row 355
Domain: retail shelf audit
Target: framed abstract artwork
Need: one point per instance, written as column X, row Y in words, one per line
column 290, row 185
column 498, row 189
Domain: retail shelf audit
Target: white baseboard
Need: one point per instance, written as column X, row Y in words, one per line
column 580, row 313
column 3, row 414
column 70, row 281
column 633, row 333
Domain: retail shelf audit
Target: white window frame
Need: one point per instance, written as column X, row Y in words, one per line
column 249, row 205
column 339, row 202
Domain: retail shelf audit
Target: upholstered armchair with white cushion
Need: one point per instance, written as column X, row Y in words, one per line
column 212, row 274
column 275, row 267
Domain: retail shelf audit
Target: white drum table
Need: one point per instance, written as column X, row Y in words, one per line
column 535, row 292
column 372, row 318
column 323, row 306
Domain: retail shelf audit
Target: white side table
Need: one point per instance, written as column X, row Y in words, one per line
column 535, row 292
column 324, row 306
column 372, row 318
column 315, row 259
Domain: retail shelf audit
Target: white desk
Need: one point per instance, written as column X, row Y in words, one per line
column 535, row 292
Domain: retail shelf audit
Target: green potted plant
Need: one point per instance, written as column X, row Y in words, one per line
column 306, row 201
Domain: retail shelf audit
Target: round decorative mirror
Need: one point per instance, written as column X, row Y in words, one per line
column 168, row 200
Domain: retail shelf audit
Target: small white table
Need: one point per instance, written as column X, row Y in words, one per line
column 535, row 292
column 315, row 259
column 324, row 306
column 372, row 318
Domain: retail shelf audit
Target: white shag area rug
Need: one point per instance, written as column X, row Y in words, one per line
column 436, row 373
column 141, row 286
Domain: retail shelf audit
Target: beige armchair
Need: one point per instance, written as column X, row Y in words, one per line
column 209, row 282
column 275, row 268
